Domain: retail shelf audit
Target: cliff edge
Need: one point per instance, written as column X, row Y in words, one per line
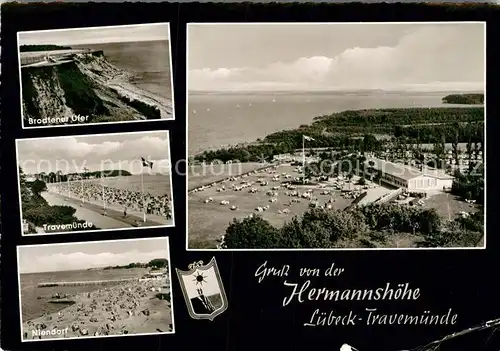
column 86, row 84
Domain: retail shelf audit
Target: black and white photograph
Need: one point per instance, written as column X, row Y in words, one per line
column 95, row 75
column 95, row 289
column 95, row 182
column 336, row 135
column 203, row 290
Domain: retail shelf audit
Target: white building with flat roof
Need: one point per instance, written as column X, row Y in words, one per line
column 410, row 178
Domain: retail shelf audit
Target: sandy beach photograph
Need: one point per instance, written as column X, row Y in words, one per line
column 352, row 136
column 95, row 289
column 78, row 76
column 95, row 182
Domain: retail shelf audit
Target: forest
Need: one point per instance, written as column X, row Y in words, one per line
column 34, row 48
column 464, row 99
column 346, row 130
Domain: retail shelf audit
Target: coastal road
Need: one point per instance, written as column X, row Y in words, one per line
column 46, row 63
column 94, row 213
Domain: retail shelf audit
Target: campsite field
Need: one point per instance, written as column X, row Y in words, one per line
column 205, row 174
column 208, row 221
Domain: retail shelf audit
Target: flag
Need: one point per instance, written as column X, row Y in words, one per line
column 308, row 138
column 146, row 163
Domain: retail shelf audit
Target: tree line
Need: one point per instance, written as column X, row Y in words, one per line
column 31, row 48
column 470, row 185
column 464, row 132
column 465, row 99
column 401, row 116
column 53, row 177
column 365, row 226
column 156, row 263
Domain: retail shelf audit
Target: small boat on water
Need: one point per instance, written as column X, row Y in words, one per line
column 238, row 106
column 250, row 105
column 274, row 100
column 208, row 110
column 194, row 112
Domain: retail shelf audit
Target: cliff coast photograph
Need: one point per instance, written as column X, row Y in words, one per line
column 96, row 75
column 336, row 135
column 95, row 182
column 95, row 289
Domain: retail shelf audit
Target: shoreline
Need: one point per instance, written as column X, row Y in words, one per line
column 261, row 141
column 121, row 81
column 129, row 308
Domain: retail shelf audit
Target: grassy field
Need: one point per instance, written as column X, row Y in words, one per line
column 205, row 174
column 208, row 221
column 449, row 206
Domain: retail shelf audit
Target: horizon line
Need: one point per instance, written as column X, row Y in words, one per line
column 90, row 268
column 97, row 43
column 337, row 90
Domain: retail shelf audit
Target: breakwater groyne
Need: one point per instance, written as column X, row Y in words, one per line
column 88, row 282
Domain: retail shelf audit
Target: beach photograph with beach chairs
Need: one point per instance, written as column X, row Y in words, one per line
column 78, row 76
column 95, row 289
column 95, row 182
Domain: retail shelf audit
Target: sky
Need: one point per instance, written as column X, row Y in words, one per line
column 421, row 57
column 76, row 256
column 96, row 152
column 211, row 287
column 96, row 35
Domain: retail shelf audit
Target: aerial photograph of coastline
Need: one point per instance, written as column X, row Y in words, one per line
column 336, row 135
column 95, row 182
column 94, row 289
column 95, row 75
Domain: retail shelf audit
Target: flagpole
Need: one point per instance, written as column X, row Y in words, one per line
column 142, row 192
column 85, row 169
column 303, row 160
column 83, row 191
column 103, row 194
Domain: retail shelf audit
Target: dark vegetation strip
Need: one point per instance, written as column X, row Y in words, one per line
column 365, row 226
column 343, row 130
column 464, row 99
column 32, row 48
column 37, row 211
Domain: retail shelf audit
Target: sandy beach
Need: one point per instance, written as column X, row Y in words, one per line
column 132, row 92
column 137, row 307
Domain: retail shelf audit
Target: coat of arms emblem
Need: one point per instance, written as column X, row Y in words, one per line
column 203, row 290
